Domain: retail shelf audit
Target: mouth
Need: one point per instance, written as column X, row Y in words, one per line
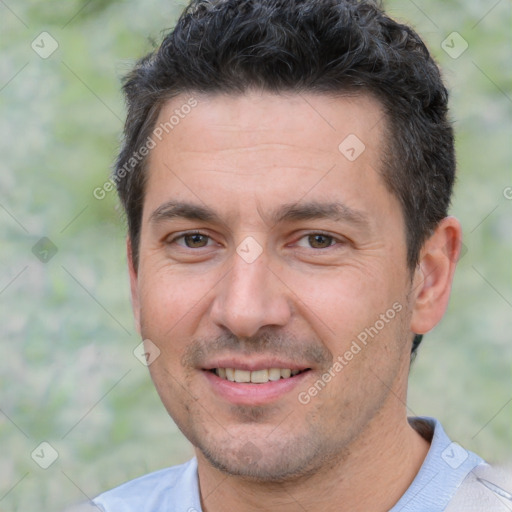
column 258, row 380
column 252, row 384
column 256, row 376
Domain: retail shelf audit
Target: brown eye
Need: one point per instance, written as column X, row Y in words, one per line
column 195, row 240
column 319, row 241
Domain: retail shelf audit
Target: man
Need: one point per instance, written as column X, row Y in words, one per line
column 286, row 173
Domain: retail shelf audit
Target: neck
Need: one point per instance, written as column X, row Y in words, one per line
column 371, row 474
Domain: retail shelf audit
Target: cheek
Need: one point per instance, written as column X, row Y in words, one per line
column 344, row 301
column 168, row 294
column 170, row 309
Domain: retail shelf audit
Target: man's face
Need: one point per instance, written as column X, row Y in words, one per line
column 267, row 245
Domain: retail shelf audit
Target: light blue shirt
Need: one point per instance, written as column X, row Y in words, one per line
column 176, row 489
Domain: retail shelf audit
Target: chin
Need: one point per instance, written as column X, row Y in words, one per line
column 259, row 459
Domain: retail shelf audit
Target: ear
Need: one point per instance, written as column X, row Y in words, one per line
column 433, row 276
column 134, row 284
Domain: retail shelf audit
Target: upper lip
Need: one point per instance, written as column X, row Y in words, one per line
column 254, row 364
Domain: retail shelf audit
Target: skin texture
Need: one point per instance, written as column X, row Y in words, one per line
column 303, row 300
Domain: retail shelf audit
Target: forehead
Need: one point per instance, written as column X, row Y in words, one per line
column 267, row 148
column 318, row 121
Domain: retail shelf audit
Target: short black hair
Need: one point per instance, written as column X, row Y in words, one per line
column 318, row 46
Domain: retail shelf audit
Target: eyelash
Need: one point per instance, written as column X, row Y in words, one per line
column 188, row 233
column 334, row 240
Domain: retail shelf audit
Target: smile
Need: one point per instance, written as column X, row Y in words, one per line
column 253, row 384
column 257, row 376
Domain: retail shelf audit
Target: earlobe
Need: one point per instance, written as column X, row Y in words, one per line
column 134, row 284
column 434, row 275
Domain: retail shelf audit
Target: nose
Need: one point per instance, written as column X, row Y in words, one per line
column 249, row 297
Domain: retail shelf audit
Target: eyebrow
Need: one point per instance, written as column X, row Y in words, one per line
column 336, row 211
column 290, row 212
column 180, row 209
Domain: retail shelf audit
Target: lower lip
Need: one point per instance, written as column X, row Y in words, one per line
column 253, row 394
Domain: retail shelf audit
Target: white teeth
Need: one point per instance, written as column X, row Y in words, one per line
column 257, row 376
column 242, row 376
column 274, row 374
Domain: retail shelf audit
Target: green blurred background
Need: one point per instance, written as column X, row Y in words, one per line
column 68, row 375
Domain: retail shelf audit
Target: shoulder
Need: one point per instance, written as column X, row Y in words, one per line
column 486, row 488
column 163, row 490
column 442, row 473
